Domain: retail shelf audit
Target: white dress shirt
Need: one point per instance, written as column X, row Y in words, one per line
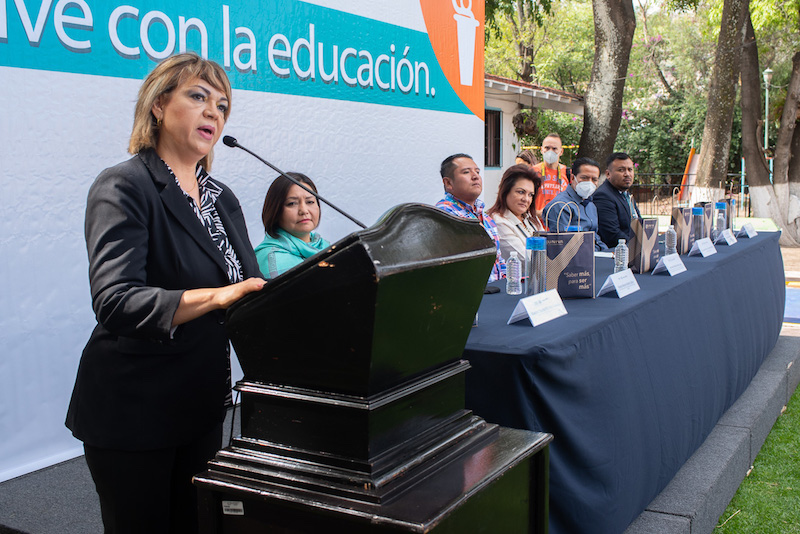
column 513, row 233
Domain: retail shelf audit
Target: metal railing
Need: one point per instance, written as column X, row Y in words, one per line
column 657, row 194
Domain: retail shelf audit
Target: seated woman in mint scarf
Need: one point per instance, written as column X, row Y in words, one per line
column 290, row 216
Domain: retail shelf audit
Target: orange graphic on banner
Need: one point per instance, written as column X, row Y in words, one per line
column 455, row 29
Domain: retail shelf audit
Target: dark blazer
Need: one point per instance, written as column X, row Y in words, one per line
column 613, row 214
column 137, row 387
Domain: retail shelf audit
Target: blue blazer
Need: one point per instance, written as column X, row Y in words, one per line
column 613, row 214
column 138, row 387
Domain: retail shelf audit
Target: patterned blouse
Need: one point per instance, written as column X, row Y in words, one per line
column 208, row 215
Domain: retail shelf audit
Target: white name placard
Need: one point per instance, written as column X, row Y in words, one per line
column 704, row 247
column 726, row 237
column 623, row 282
column 672, row 263
column 747, row 231
column 539, row 308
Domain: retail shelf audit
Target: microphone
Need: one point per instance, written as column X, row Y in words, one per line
column 232, row 142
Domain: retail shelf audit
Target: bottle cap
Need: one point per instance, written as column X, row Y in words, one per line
column 621, row 242
column 697, row 211
column 573, row 228
column 536, row 243
column 720, row 205
column 671, row 226
column 513, row 254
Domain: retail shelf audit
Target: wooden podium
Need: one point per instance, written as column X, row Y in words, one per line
column 353, row 414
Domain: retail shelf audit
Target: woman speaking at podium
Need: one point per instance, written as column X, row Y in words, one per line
column 168, row 253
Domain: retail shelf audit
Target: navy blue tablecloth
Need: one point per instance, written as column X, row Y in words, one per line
column 630, row 387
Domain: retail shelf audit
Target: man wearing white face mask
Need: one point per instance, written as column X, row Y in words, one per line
column 573, row 206
column 554, row 175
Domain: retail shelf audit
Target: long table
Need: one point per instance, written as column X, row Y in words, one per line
column 629, row 387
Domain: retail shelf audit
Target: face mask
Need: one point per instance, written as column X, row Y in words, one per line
column 550, row 157
column 585, row 189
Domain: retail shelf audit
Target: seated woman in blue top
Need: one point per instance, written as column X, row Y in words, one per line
column 290, row 216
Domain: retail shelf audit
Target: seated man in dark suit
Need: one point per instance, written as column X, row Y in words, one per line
column 615, row 206
column 574, row 206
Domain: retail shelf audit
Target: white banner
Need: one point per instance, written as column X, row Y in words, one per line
column 68, row 113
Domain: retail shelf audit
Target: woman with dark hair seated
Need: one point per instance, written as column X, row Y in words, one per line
column 513, row 210
column 290, row 216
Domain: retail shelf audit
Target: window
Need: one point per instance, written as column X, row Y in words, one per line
column 492, row 138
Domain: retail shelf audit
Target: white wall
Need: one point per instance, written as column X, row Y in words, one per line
column 510, row 146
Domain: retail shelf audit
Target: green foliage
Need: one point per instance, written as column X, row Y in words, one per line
column 563, row 46
column 566, row 57
column 770, row 16
column 659, row 137
column 500, row 54
column 681, row 5
column 674, row 44
column 567, row 126
column 495, row 9
column 768, row 500
column 668, row 75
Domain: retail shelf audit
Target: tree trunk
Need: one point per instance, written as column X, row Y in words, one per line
column 786, row 152
column 786, row 131
column 765, row 197
column 713, row 168
column 614, row 26
column 794, row 157
column 779, row 200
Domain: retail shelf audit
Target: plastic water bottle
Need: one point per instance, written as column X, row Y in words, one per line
column 731, row 213
column 671, row 241
column 537, row 265
column 621, row 256
column 719, row 221
column 513, row 274
column 698, row 228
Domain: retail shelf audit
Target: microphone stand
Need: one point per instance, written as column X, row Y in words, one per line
column 232, row 142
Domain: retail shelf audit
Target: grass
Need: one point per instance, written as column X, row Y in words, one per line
column 768, row 500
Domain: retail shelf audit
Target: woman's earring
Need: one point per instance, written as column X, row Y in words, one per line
column 158, row 123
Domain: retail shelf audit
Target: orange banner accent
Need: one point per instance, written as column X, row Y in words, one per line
column 450, row 24
column 685, row 179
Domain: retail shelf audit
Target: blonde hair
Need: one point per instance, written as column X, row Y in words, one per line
column 168, row 75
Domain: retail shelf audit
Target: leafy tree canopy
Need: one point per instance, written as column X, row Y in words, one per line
column 500, row 8
column 666, row 90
